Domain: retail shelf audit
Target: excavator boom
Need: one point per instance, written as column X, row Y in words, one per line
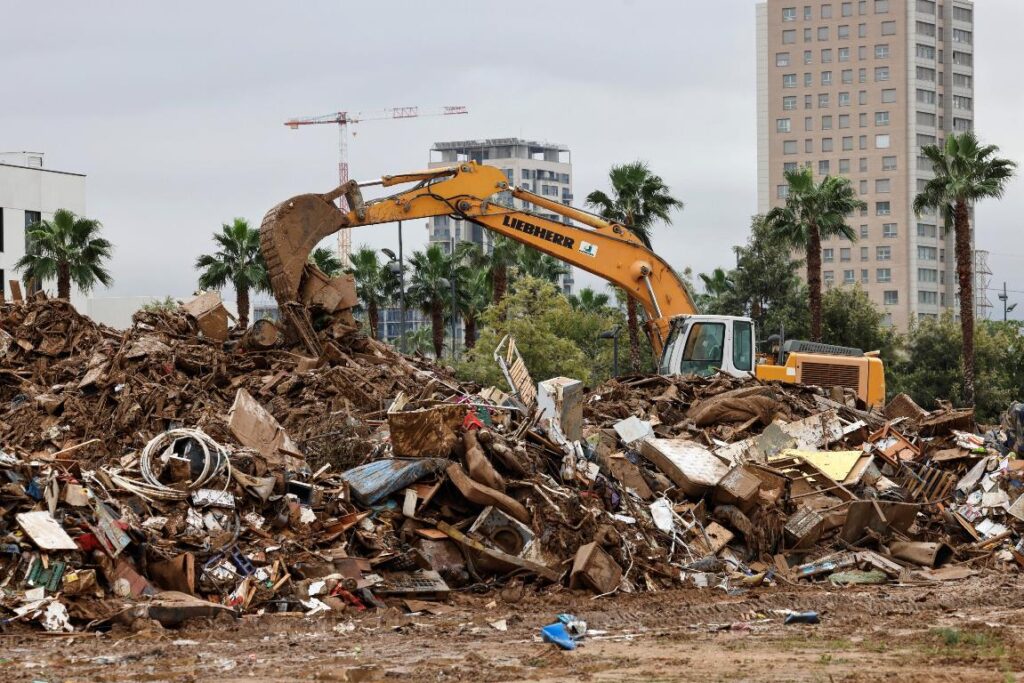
column 472, row 192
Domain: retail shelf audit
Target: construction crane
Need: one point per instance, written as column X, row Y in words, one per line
column 342, row 119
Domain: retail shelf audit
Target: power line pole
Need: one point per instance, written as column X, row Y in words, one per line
column 1004, row 297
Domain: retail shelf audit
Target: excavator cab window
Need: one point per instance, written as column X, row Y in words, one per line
column 702, row 354
column 742, row 345
column 675, row 338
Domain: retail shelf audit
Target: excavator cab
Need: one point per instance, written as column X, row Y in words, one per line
column 705, row 344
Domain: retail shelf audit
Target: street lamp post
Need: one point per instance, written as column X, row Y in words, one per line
column 398, row 268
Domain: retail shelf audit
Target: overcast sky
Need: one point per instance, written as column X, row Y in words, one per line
column 175, row 110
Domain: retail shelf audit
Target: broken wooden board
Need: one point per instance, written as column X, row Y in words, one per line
column 45, row 531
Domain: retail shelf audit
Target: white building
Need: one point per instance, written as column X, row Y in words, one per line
column 29, row 192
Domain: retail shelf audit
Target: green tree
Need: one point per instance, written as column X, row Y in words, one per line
column 639, row 200
column 539, row 265
column 536, row 315
column 166, row 304
column 69, row 248
column 504, row 255
column 327, row 261
column 237, row 261
column 720, row 295
column 814, row 212
column 965, row 172
column 850, row 318
column 419, row 341
column 430, row 287
column 474, row 298
column 766, row 283
column 376, row 285
column 589, row 301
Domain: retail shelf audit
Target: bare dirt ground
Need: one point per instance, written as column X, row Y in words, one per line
column 964, row 631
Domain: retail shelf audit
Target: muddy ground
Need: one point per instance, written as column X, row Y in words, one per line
column 965, row 631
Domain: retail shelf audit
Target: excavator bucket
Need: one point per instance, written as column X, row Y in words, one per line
column 289, row 233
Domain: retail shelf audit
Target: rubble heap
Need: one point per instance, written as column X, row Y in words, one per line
column 170, row 471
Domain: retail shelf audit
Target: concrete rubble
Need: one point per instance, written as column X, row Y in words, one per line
column 172, row 471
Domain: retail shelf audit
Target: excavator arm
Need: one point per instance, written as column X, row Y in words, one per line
column 292, row 229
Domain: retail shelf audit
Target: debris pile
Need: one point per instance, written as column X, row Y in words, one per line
column 171, row 471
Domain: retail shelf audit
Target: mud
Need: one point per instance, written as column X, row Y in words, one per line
column 954, row 631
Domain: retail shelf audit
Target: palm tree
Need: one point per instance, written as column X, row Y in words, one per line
column 539, row 265
column 419, row 341
column 965, row 172
column 376, row 285
column 814, row 212
column 327, row 261
column 474, row 298
column 430, row 287
column 589, row 301
column 69, row 248
column 237, row 261
column 504, row 254
column 639, row 200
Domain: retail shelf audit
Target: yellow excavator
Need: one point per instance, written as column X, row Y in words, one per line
column 687, row 342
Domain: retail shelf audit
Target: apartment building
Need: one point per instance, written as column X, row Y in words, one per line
column 30, row 192
column 540, row 167
column 856, row 88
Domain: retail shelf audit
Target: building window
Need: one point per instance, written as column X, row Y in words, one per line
column 925, row 74
column 925, row 118
column 789, row 102
column 823, row 100
column 864, row 276
column 962, row 81
column 844, row 164
column 862, row 75
column 882, row 141
column 789, row 13
column 889, row 96
column 965, row 103
column 863, row 187
column 844, row 54
column 883, row 208
column 862, row 164
column 881, row 6
column 823, row 167
column 883, row 253
column 782, row 59
column 782, row 125
column 926, row 6
column 863, row 119
column 844, row 99
column 789, row 37
column 862, row 142
column 807, row 13
column 925, row 29
column 889, row 229
column 862, row 7
column 881, row 118
column 888, row 28
column 809, row 147
column 844, row 254
column 962, row 125
column 829, row 277
column 847, row 76
column 31, row 218
column 888, row 163
column 782, row 191
column 843, row 32
column 848, row 143
column 925, row 96
column 862, row 98
column 862, row 30
column 928, row 298
column 864, row 254
column 883, row 186
column 826, row 56
column 823, row 33
column 828, row 255
column 826, row 11
column 789, row 147
column 927, row 275
column 808, row 35
column 961, row 36
column 963, row 58
column 826, row 144
column 847, row 9
column 789, row 80
column 881, row 73
column 808, row 123
column 808, row 101
column 882, row 51
column 789, row 166
column 883, row 274
column 826, row 78
column 928, row 52
column 808, row 80
column 927, row 253
column 926, row 230
column 808, row 57
column 890, row 297
column 864, row 232
column 844, row 121
column 848, row 277
column 963, row 14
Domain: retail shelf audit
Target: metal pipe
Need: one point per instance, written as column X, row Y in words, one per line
column 654, row 299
